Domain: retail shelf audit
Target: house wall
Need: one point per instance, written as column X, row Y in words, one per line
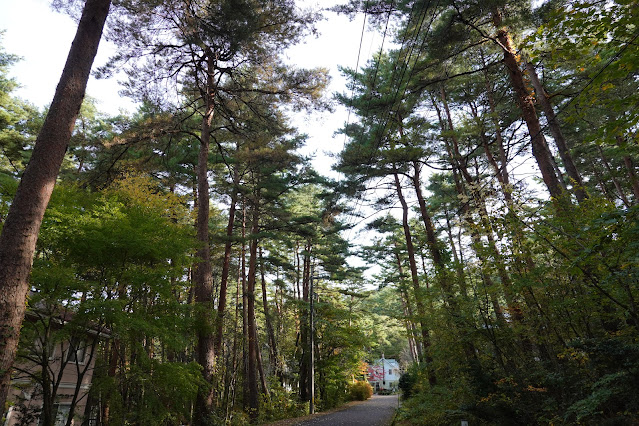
column 26, row 397
column 384, row 374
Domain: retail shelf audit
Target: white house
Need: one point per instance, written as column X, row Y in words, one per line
column 383, row 374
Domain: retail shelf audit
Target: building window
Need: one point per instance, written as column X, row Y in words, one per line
column 61, row 412
column 76, row 351
column 60, row 415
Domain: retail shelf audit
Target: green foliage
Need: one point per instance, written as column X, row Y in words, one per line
column 280, row 404
column 406, row 382
column 360, row 391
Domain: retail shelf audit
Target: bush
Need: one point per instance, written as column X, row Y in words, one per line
column 406, row 383
column 281, row 404
column 360, row 390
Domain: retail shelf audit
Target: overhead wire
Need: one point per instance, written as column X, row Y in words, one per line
column 404, row 67
column 350, row 223
column 408, row 54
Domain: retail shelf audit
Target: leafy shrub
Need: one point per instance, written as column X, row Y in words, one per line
column 360, row 390
column 280, row 404
column 406, row 382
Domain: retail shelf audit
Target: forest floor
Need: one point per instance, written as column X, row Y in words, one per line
column 377, row 411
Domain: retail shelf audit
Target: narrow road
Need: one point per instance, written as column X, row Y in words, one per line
column 377, row 411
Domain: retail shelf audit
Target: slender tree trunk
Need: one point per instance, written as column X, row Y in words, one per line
column 252, row 326
column 203, row 279
column 304, row 326
column 478, row 198
column 269, row 321
column 231, row 392
column 630, row 167
column 557, row 134
column 618, row 187
column 245, row 329
column 226, row 264
column 22, row 224
column 421, row 311
column 500, row 172
column 408, row 310
column 600, row 182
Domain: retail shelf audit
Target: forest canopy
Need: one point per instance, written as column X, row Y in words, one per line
column 487, row 182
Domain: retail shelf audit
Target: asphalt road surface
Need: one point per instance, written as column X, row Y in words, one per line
column 377, row 411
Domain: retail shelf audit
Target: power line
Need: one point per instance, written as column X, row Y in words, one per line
column 405, row 64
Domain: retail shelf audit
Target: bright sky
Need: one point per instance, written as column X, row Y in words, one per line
column 42, row 38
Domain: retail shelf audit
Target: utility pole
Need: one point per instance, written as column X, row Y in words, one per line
column 311, row 405
column 383, row 371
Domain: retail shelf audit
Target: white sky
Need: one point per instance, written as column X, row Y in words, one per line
column 42, row 38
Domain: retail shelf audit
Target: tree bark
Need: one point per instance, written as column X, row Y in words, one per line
column 22, row 224
column 273, row 354
column 252, row 326
column 304, row 325
column 421, row 311
column 557, row 134
column 203, row 279
column 416, row 349
column 630, row 167
column 228, row 245
column 527, row 107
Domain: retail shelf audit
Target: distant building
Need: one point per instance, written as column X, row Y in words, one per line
column 383, row 375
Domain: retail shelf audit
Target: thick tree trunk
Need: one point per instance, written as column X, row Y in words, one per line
column 431, row 238
column 525, row 101
column 22, row 224
column 557, row 134
column 202, row 277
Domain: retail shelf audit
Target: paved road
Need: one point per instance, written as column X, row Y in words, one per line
column 377, row 411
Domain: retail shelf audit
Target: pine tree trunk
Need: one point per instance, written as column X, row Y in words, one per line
column 245, row 338
column 22, row 224
column 421, row 311
column 226, row 265
column 304, row 326
column 500, row 172
column 557, row 134
column 408, row 312
column 252, row 326
column 618, row 187
column 202, row 277
column 630, row 168
column 269, row 321
column 525, row 102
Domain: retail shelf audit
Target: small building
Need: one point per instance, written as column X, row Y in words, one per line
column 383, row 375
column 60, row 371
